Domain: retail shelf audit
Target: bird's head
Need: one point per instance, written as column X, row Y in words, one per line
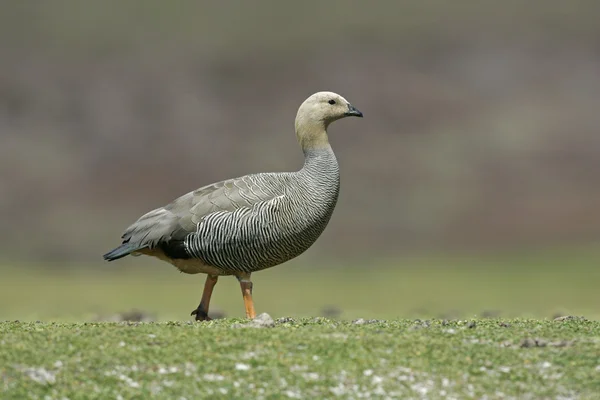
column 323, row 108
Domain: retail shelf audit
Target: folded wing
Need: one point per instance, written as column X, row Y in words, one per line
column 180, row 218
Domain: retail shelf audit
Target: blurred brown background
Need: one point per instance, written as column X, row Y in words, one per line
column 481, row 128
column 471, row 187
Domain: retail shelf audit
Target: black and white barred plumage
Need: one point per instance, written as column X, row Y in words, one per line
column 256, row 221
column 272, row 231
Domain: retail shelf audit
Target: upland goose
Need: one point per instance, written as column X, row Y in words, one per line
column 246, row 224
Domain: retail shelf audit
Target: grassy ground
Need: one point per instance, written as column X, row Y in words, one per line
column 302, row 358
column 308, row 357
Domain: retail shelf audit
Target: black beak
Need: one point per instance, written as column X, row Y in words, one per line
column 353, row 112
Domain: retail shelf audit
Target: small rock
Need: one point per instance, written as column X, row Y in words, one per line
column 359, row 321
column 263, row 320
column 471, row 324
column 242, row 367
column 504, row 324
column 41, row 375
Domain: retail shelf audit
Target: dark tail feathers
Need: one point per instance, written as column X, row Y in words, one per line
column 123, row 250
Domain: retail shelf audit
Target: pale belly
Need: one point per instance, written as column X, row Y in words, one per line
column 188, row 266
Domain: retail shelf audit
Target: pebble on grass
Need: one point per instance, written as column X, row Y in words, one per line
column 263, row 320
column 242, row 367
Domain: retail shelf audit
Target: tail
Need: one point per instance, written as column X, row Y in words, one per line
column 123, row 250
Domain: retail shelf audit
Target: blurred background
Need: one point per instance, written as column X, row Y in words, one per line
column 471, row 187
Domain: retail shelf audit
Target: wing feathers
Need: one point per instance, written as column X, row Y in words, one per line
column 181, row 217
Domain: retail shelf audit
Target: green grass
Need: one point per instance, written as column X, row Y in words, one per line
column 304, row 358
column 308, row 357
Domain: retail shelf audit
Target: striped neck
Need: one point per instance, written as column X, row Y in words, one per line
column 314, row 157
column 321, row 166
column 320, row 177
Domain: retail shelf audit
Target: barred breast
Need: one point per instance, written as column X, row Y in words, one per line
column 274, row 231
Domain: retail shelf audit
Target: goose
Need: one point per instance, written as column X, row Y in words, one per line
column 249, row 223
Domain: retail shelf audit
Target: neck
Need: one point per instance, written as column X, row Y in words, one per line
column 319, row 159
column 312, row 137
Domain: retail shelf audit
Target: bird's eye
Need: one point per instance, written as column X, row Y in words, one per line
column 332, row 102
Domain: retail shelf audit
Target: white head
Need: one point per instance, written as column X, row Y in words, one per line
column 317, row 112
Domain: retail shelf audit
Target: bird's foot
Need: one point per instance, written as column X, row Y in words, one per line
column 201, row 315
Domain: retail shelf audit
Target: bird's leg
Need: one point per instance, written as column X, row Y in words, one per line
column 246, row 286
column 201, row 312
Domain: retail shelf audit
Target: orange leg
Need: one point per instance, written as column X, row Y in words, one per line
column 246, row 286
column 201, row 312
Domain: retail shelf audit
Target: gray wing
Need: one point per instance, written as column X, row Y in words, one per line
column 181, row 217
